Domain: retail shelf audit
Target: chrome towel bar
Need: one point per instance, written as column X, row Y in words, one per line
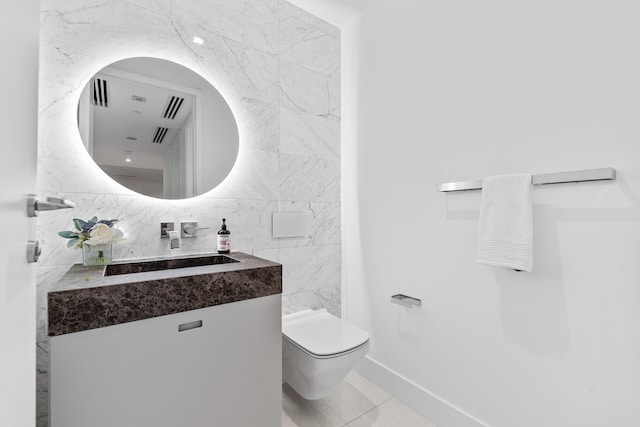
column 540, row 179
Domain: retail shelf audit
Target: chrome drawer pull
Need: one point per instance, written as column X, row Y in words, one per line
column 190, row 325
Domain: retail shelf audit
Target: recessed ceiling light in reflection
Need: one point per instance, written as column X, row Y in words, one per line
column 198, row 40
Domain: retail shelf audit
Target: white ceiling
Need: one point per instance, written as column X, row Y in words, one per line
column 157, row 81
column 127, row 118
column 335, row 12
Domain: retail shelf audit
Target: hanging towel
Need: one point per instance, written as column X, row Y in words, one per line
column 505, row 234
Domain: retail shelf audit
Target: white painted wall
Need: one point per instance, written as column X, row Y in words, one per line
column 448, row 91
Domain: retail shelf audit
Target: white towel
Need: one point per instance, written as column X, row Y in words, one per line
column 505, row 234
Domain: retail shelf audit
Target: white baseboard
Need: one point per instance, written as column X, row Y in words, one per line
column 427, row 404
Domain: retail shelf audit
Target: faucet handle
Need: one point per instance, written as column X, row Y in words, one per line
column 174, row 239
column 189, row 228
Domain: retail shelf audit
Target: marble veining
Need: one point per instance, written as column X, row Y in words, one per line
column 309, row 91
column 295, row 184
column 67, row 24
column 160, row 6
column 254, row 176
column 328, row 298
column 48, row 280
column 245, row 71
column 112, row 300
column 250, row 22
column 42, row 383
column 309, row 47
column 287, row 8
column 309, row 135
column 299, row 274
column 257, row 122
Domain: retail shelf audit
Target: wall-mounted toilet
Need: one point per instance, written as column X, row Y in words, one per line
column 318, row 350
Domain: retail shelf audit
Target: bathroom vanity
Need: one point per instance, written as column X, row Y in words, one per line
column 168, row 343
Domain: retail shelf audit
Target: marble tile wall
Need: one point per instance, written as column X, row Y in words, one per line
column 279, row 69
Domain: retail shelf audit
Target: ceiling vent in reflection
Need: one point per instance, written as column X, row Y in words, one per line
column 173, row 107
column 160, row 134
column 100, row 93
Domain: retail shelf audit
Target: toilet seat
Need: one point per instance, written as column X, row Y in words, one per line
column 322, row 335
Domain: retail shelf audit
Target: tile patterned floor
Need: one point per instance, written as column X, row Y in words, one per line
column 355, row 402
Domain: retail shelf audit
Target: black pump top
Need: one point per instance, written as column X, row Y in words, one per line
column 224, row 226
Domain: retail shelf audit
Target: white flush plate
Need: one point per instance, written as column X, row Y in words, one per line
column 289, row 224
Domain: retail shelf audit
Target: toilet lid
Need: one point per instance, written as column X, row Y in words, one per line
column 321, row 333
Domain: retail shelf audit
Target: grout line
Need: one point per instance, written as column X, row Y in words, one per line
column 372, row 409
column 362, row 415
column 385, row 401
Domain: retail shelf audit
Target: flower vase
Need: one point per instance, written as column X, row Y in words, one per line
column 96, row 255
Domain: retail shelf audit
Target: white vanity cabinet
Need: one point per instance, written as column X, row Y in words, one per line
column 147, row 373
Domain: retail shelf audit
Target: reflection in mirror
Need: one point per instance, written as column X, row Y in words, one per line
column 158, row 128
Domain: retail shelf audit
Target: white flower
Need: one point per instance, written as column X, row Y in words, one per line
column 102, row 234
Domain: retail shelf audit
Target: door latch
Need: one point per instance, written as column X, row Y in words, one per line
column 33, row 251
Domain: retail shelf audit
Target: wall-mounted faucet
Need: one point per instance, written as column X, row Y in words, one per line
column 167, row 231
column 165, row 227
column 188, row 229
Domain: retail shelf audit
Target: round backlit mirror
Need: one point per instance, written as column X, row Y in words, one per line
column 158, row 128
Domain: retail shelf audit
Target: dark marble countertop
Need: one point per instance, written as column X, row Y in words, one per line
column 103, row 300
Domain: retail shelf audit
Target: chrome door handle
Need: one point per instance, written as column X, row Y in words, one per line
column 52, row 203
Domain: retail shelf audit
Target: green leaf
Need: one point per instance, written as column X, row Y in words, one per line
column 72, row 242
column 94, row 219
column 78, row 223
column 68, row 234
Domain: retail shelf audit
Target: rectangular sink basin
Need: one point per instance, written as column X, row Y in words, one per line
column 166, row 264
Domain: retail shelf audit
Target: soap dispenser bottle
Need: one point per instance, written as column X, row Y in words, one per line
column 224, row 239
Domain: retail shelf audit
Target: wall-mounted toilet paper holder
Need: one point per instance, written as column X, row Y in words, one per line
column 406, row 300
